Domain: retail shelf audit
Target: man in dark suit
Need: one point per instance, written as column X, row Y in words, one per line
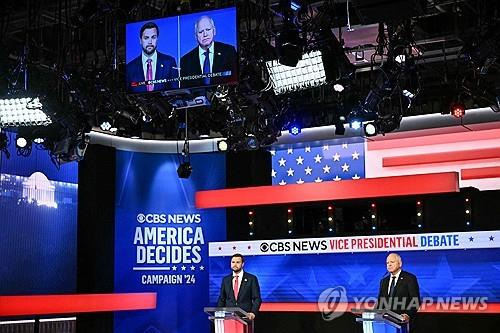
column 210, row 62
column 240, row 289
column 399, row 291
column 151, row 64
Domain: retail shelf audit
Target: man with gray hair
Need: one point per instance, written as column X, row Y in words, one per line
column 210, row 62
column 399, row 291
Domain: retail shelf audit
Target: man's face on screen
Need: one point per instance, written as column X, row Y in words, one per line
column 236, row 264
column 205, row 33
column 148, row 40
column 393, row 263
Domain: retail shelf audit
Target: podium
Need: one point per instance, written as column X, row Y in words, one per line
column 381, row 321
column 229, row 320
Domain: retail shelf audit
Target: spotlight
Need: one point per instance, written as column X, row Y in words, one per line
column 355, row 124
column 184, row 170
column 39, row 140
column 294, row 129
column 222, row 145
column 251, row 142
column 338, row 87
column 105, row 125
column 400, row 58
column 457, row 109
column 370, row 129
column 21, row 142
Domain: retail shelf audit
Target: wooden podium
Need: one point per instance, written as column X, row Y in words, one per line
column 229, row 320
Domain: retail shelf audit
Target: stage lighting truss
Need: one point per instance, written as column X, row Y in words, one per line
column 15, row 112
column 308, row 73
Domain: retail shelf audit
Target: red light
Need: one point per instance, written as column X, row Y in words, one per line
column 418, row 203
column 250, row 213
column 457, row 109
column 373, row 205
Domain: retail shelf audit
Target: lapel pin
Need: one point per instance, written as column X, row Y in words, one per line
column 245, row 280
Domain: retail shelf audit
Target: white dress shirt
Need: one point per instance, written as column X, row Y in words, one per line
column 240, row 277
column 395, row 281
column 201, row 53
column 145, row 58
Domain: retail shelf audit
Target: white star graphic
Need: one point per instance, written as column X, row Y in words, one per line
column 282, row 182
column 290, row 172
column 337, row 178
column 193, row 268
column 282, row 162
column 307, row 149
column 318, row 180
column 326, row 169
column 174, row 268
column 325, row 147
column 356, row 176
column 345, row 167
column 300, row 181
column 289, row 151
column 273, row 173
column 355, row 155
column 308, row 170
column 299, row 160
column 344, row 145
column 317, row 158
column 183, row 268
column 336, row 157
column 202, row 268
column 273, row 152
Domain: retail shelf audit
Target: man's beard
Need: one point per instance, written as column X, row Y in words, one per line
column 237, row 271
column 145, row 50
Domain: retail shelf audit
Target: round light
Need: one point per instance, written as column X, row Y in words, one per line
column 467, row 211
column 222, row 145
column 21, row 142
column 338, row 87
column 355, row 124
column 370, row 129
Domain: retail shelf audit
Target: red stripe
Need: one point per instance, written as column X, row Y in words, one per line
column 450, row 135
column 453, row 156
column 346, row 189
column 434, row 308
column 57, row 304
column 479, row 173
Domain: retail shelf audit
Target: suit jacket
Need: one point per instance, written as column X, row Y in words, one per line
column 406, row 296
column 225, row 59
column 166, row 68
column 248, row 295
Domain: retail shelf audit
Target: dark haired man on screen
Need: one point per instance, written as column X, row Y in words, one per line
column 151, row 64
column 210, row 62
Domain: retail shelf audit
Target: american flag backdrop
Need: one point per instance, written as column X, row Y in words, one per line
column 473, row 152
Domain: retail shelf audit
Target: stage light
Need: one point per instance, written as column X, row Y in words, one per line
column 400, row 58
column 251, row 142
column 295, row 6
column 338, row 87
column 184, row 170
column 294, row 129
column 21, row 142
column 222, row 145
column 457, row 109
column 355, row 124
column 27, row 111
column 408, row 94
column 370, row 129
column 39, row 140
column 308, row 73
column 105, row 125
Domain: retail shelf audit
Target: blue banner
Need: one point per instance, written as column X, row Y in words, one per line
column 161, row 239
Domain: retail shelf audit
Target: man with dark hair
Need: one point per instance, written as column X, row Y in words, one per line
column 240, row 289
column 399, row 291
column 217, row 59
column 151, row 65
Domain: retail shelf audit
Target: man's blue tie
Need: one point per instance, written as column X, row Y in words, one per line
column 206, row 67
column 393, row 284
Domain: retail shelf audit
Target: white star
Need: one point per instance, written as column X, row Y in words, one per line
column 289, row 151
column 326, row 169
column 273, row 173
column 318, row 180
column 308, row 149
column 273, row 152
column 193, row 268
column 356, row 176
column 325, row 147
column 174, row 268
column 317, row 158
column 282, row 162
column 299, row 160
column 337, row 178
column 344, row 145
column 300, row 181
column 355, row 155
column 308, row 170
column 345, row 167
column 336, row 157
column 282, row 182
column 202, row 268
column 183, row 268
column 290, row 172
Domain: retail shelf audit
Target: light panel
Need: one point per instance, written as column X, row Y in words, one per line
column 15, row 112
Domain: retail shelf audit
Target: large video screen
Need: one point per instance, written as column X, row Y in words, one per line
column 186, row 51
column 38, row 223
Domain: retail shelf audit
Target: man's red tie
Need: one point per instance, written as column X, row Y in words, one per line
column 149, row 75
column 235, row 287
